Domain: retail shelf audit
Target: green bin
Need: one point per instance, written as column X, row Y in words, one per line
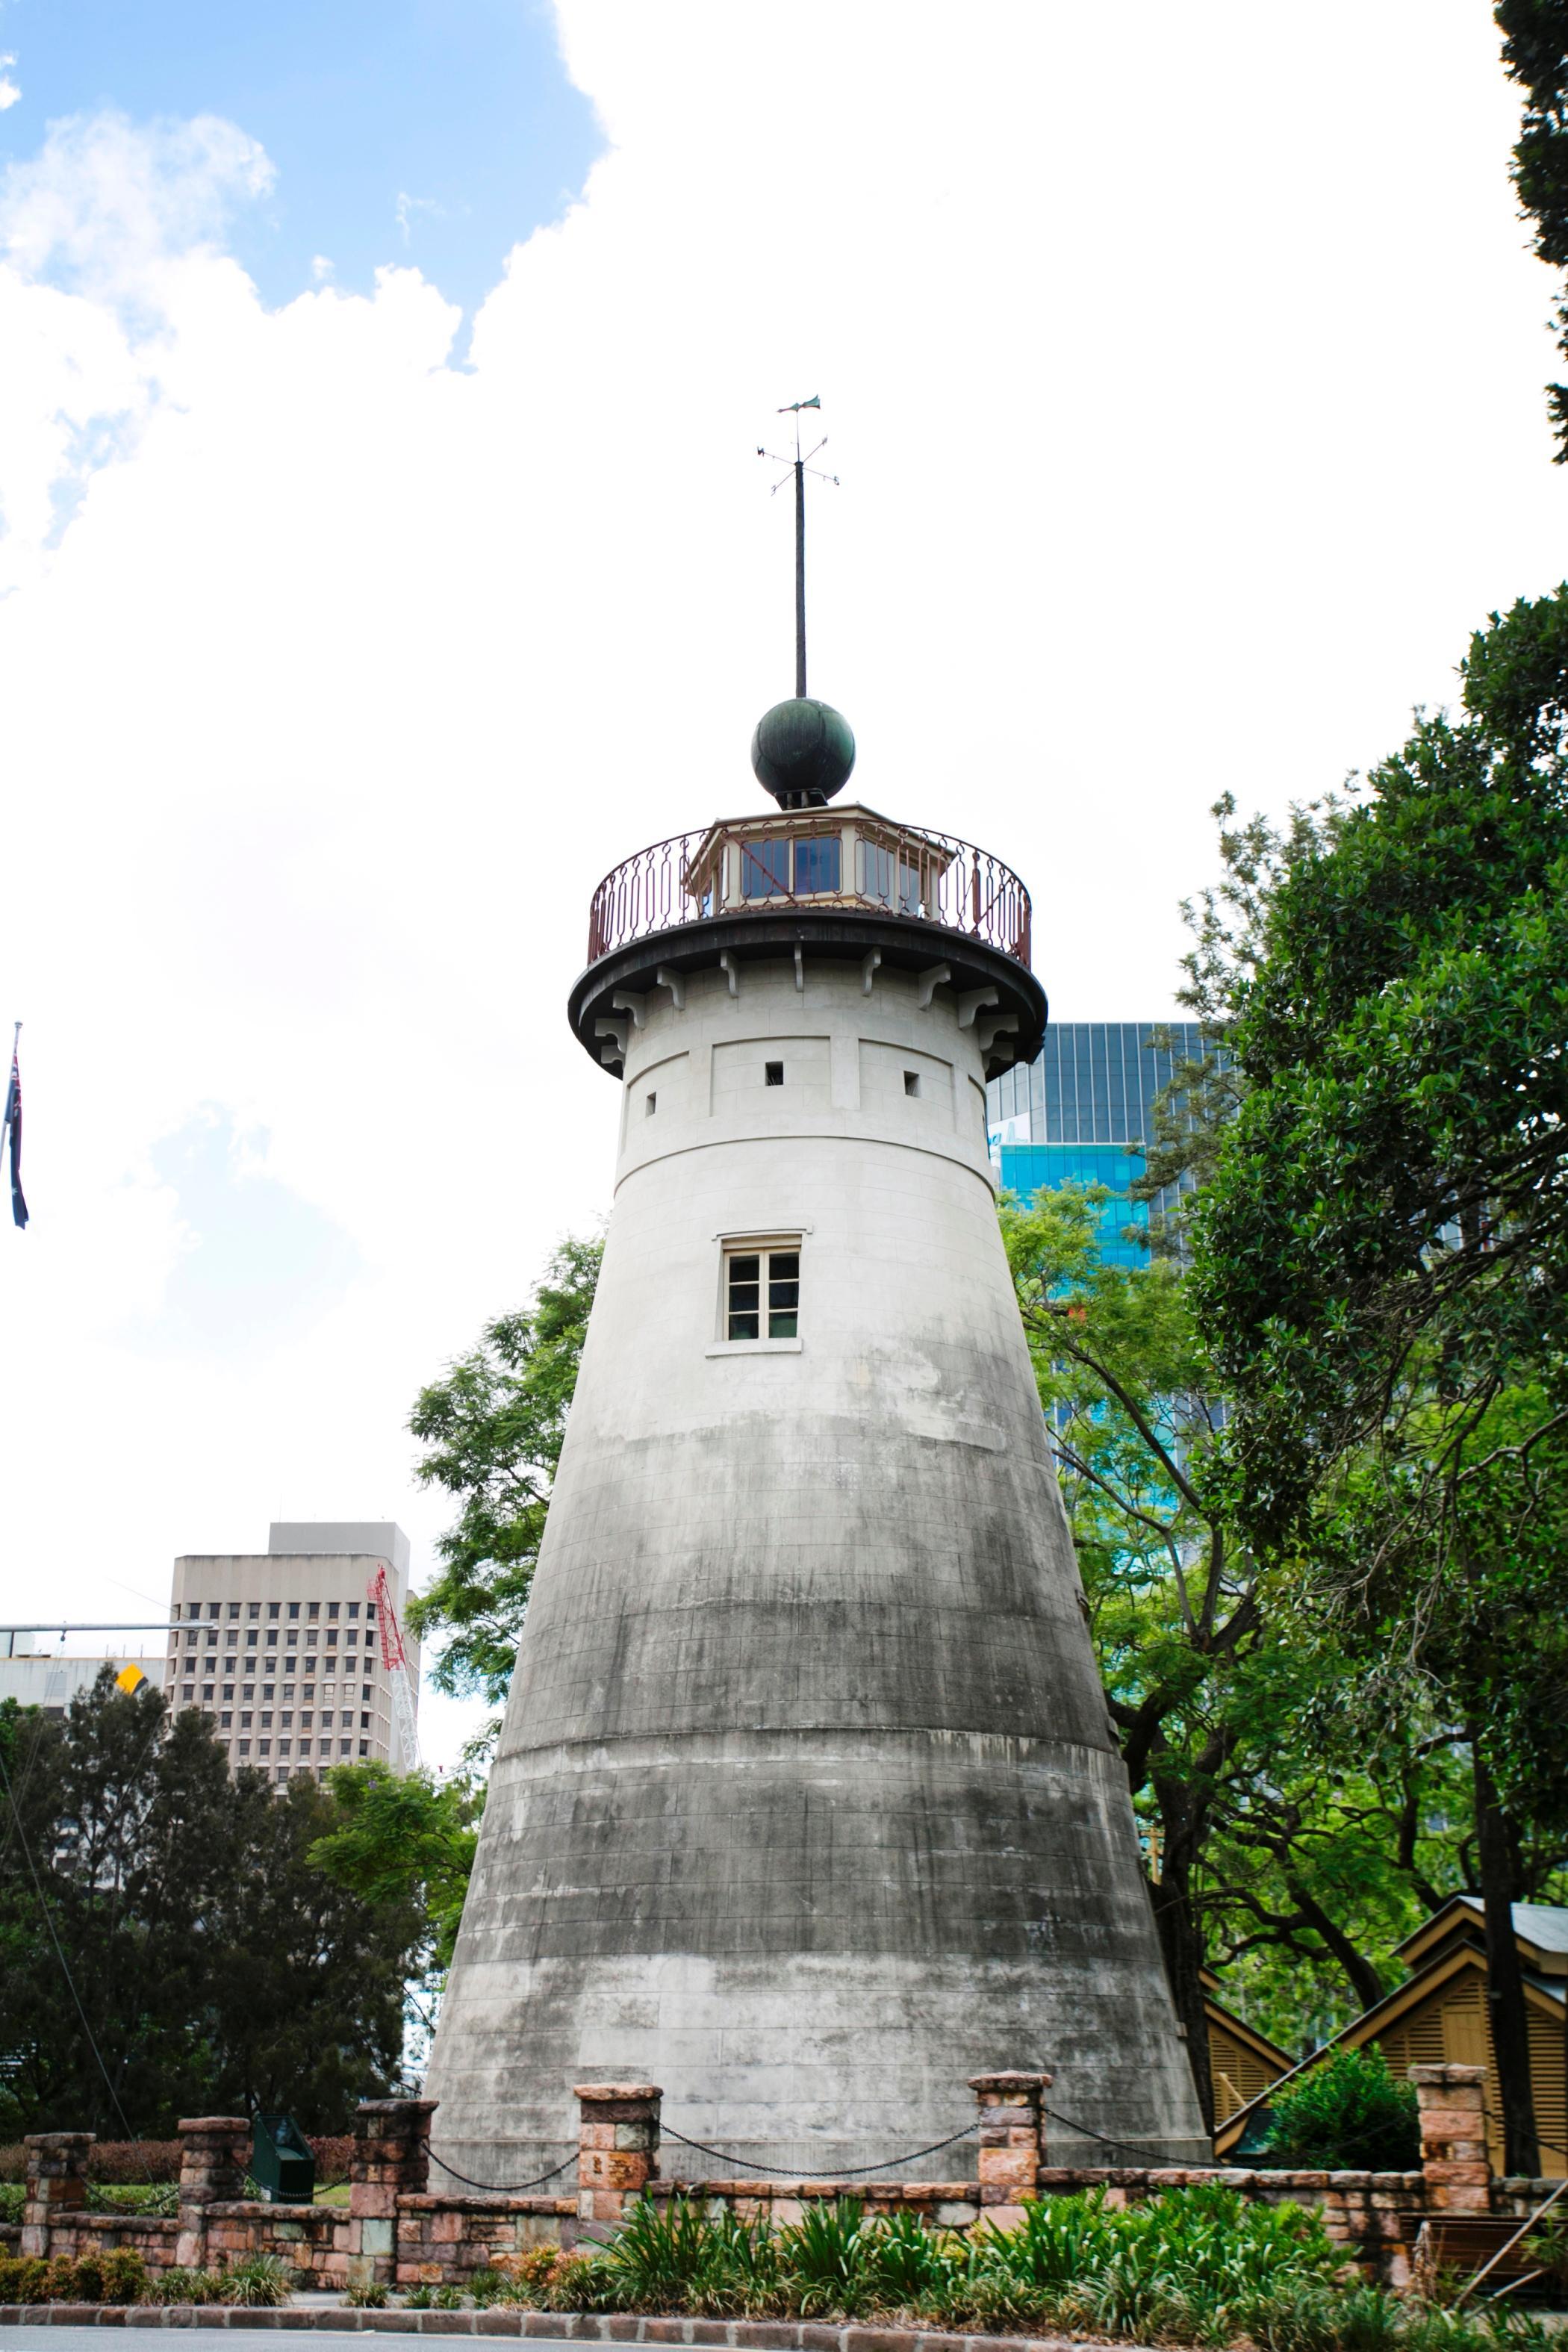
column 281, row 2163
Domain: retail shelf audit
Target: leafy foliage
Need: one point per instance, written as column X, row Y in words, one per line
column 1200, row 2265
column 404, row 1840
column 1380, row 1258
column 492, row 1429
column 213, row 1966
column 1347, row 2114
column 1535, row 52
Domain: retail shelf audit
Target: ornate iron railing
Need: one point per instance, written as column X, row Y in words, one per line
column 759, row 868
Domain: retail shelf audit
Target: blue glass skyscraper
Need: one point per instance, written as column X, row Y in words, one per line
column 1081, row 1112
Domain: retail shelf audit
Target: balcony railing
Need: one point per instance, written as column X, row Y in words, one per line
column 812, row 861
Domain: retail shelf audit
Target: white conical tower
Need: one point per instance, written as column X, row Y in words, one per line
column 806, row 1806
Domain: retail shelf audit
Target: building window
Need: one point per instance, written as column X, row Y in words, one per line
column 226, row 1718
column 245, row 1721
column 251, row 1639
column 234, row 1608
column 293, row 1609
column 345, row 1746
column 353, row 1608
column 228, row 1690
column 764, row 869
column 364, row 1748
column 207, row 1694
column 212, row 1637
column 272, row 1637
column 213, row 1607
column 266, row 1720
column 762, row 1294
column 816, row 864
column 314, row 1609
column 188, row 1691
column 243, row 1747
column 912, row 1082
column 268, row 1690
column 264, row 1748
column 281, row 1773
column 650, row 1103
column 283, row 1747
column 253, row 1608
column 888, row 879
column 292, row 1637
column 332, row 1611
column 773, row 1074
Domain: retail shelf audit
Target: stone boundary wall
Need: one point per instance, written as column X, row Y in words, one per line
column 547, row 2326
column 397, row 2234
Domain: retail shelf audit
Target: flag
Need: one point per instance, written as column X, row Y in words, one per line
column 130, row 1679
column 11, row 1129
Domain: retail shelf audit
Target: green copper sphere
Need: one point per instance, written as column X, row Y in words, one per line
column 803, row 751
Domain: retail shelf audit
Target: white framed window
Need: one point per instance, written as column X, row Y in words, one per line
column 762, row 1291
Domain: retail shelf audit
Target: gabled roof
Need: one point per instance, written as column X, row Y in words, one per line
column 1441, row 1948
column 1258, row 2044
column 1542, row 1929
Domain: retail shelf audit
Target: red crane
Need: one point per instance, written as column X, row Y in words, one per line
column 394, row 1658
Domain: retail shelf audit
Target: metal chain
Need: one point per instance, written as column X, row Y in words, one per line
column 497, row 2188
column 1159, row 2158
column 748, row 2165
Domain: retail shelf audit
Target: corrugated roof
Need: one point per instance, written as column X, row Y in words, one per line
column 1544, row 1925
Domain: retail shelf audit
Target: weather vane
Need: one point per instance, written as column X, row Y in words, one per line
column 800, row 465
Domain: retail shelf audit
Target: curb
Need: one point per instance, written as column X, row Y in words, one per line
column 545, row 2326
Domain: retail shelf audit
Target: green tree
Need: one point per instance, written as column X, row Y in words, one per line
column 1296, row 1822
column 405, row 1838
column 1381, row 1254
column 167, row 1948
column 492, row 1429
column 1535, row 53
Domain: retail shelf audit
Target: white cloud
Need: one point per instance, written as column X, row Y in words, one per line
column 1182, row 441
column 9, row 90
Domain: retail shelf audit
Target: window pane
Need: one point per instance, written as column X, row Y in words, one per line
column 764, row 869
column 783, row 1265
column 744, row 1269
column 783, row 1327
column 816, row 862
column 876, row 872
column 744, row 1326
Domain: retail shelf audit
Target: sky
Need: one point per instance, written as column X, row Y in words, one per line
column 385, row 553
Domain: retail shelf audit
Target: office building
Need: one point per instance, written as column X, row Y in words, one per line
column 280, row 1648
column 1080, row 1111
column 52, row 1678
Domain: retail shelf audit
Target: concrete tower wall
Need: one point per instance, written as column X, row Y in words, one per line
column 806, row 1805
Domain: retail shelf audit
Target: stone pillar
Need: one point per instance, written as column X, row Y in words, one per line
column 1455, row 2165
column 617, row 2146
column 1012, row 2140
column 215, row 2157
column 391, row 2159
column 56, row 2185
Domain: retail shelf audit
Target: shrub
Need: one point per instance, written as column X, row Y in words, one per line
column 179, row 2286
column 13, row 2196
column 1347, row 2114
column 333, row 2151
column 366, row 2294
column 124, row 2275
column 448, row 2298
column 259, row 2280
column 418, row 2298
column 487, row 2287
column 94, row 2278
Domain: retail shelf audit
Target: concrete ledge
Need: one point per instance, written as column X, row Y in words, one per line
column 539, row 2326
